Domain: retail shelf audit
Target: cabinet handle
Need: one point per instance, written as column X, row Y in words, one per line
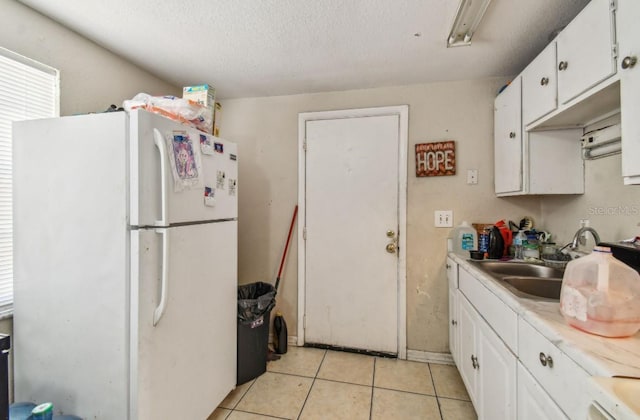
column 512, row 135
column 563, row 65
column 454, row 322
column 546, row 360
column 544, row 81
column 629, row 62
column 474, row 362
column 448, row 266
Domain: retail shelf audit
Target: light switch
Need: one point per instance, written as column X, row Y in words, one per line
column 444, row 218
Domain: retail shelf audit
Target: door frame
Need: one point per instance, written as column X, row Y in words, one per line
column 402, row 111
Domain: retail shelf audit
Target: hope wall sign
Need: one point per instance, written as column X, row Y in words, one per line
column 436, row 159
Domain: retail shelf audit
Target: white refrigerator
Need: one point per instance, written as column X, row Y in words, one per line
column 125, row 266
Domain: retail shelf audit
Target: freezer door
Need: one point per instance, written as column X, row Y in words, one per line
column 184, row 366
column 199, row 174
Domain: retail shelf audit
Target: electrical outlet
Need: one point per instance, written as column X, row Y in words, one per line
column 444, row 218
column 472, row 176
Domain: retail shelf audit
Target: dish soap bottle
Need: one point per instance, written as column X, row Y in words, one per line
column 280, row 334
column 601, row 295
column 464, row 239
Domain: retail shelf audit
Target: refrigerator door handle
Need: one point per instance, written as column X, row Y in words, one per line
column 162, row 148
column 164, row 288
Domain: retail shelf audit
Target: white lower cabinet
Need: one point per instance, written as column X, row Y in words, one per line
column 510, row 370
column 487, row 366
column 533, row 402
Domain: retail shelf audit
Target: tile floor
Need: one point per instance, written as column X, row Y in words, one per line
column 308, row 383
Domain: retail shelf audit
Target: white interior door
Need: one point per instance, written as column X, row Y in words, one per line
column 352, row 215
column 183, row 367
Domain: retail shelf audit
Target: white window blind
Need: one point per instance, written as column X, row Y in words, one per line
column 28, row 90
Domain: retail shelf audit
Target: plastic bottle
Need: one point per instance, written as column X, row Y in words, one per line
column 280, row 334
column 21, row 410
column 601, row 295
column 519, row 241
column 464, row 239
column 43, row 411
column 483, row 240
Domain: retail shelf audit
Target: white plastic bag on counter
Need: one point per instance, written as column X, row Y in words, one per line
column 183, row 110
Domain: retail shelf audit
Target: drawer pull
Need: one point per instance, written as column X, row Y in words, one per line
column 544, row 81
column 563, row 65
column 629, row 62
column 512, row 135
column 454, row 322
column 448, row 266
column 546, row 360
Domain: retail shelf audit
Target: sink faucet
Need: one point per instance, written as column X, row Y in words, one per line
column 576, row 237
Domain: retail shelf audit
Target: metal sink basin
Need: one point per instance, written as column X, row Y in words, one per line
column 536, row 286
column 502, row 268
column 526, row 280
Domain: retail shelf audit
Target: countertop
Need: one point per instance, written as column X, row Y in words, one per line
column 599, row 356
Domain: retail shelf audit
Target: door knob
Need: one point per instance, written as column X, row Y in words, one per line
column 391, row 248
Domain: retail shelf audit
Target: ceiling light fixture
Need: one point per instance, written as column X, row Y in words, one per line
column 466, row 22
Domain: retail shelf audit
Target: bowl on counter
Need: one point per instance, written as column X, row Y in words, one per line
column 476, row 255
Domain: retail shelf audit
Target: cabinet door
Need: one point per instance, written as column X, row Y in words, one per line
column 533, row 402
column 497, row 380
column 508, row 139
column 467, row 321
column 539, row 86
column 453, row 325
column 585, row 50
column 452, row 277
column 627, row 21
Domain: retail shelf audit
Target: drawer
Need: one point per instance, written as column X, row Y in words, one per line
column 502, row 319
column 561, row 378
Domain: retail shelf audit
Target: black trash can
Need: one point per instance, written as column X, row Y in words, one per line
column 255, row 302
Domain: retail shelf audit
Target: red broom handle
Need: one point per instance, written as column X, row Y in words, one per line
column 284, row 254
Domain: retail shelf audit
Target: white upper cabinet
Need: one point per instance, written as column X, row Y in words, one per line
column 540, row 86
column 586, row 50
column 628, row 24
column 508, row 139
column 542, row 162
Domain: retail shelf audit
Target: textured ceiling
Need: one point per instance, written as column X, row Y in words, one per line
column 280, row 47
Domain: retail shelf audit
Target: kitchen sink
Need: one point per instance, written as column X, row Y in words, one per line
column 536, row 286
column 526, row 280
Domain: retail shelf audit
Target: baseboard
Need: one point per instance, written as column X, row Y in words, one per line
column 292, row 340
column 429, row 357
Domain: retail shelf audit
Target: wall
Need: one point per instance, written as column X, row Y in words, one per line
column 91, row 78
column 612, row 208
column 267, row 133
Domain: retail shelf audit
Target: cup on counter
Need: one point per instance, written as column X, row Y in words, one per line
column 549, row 248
